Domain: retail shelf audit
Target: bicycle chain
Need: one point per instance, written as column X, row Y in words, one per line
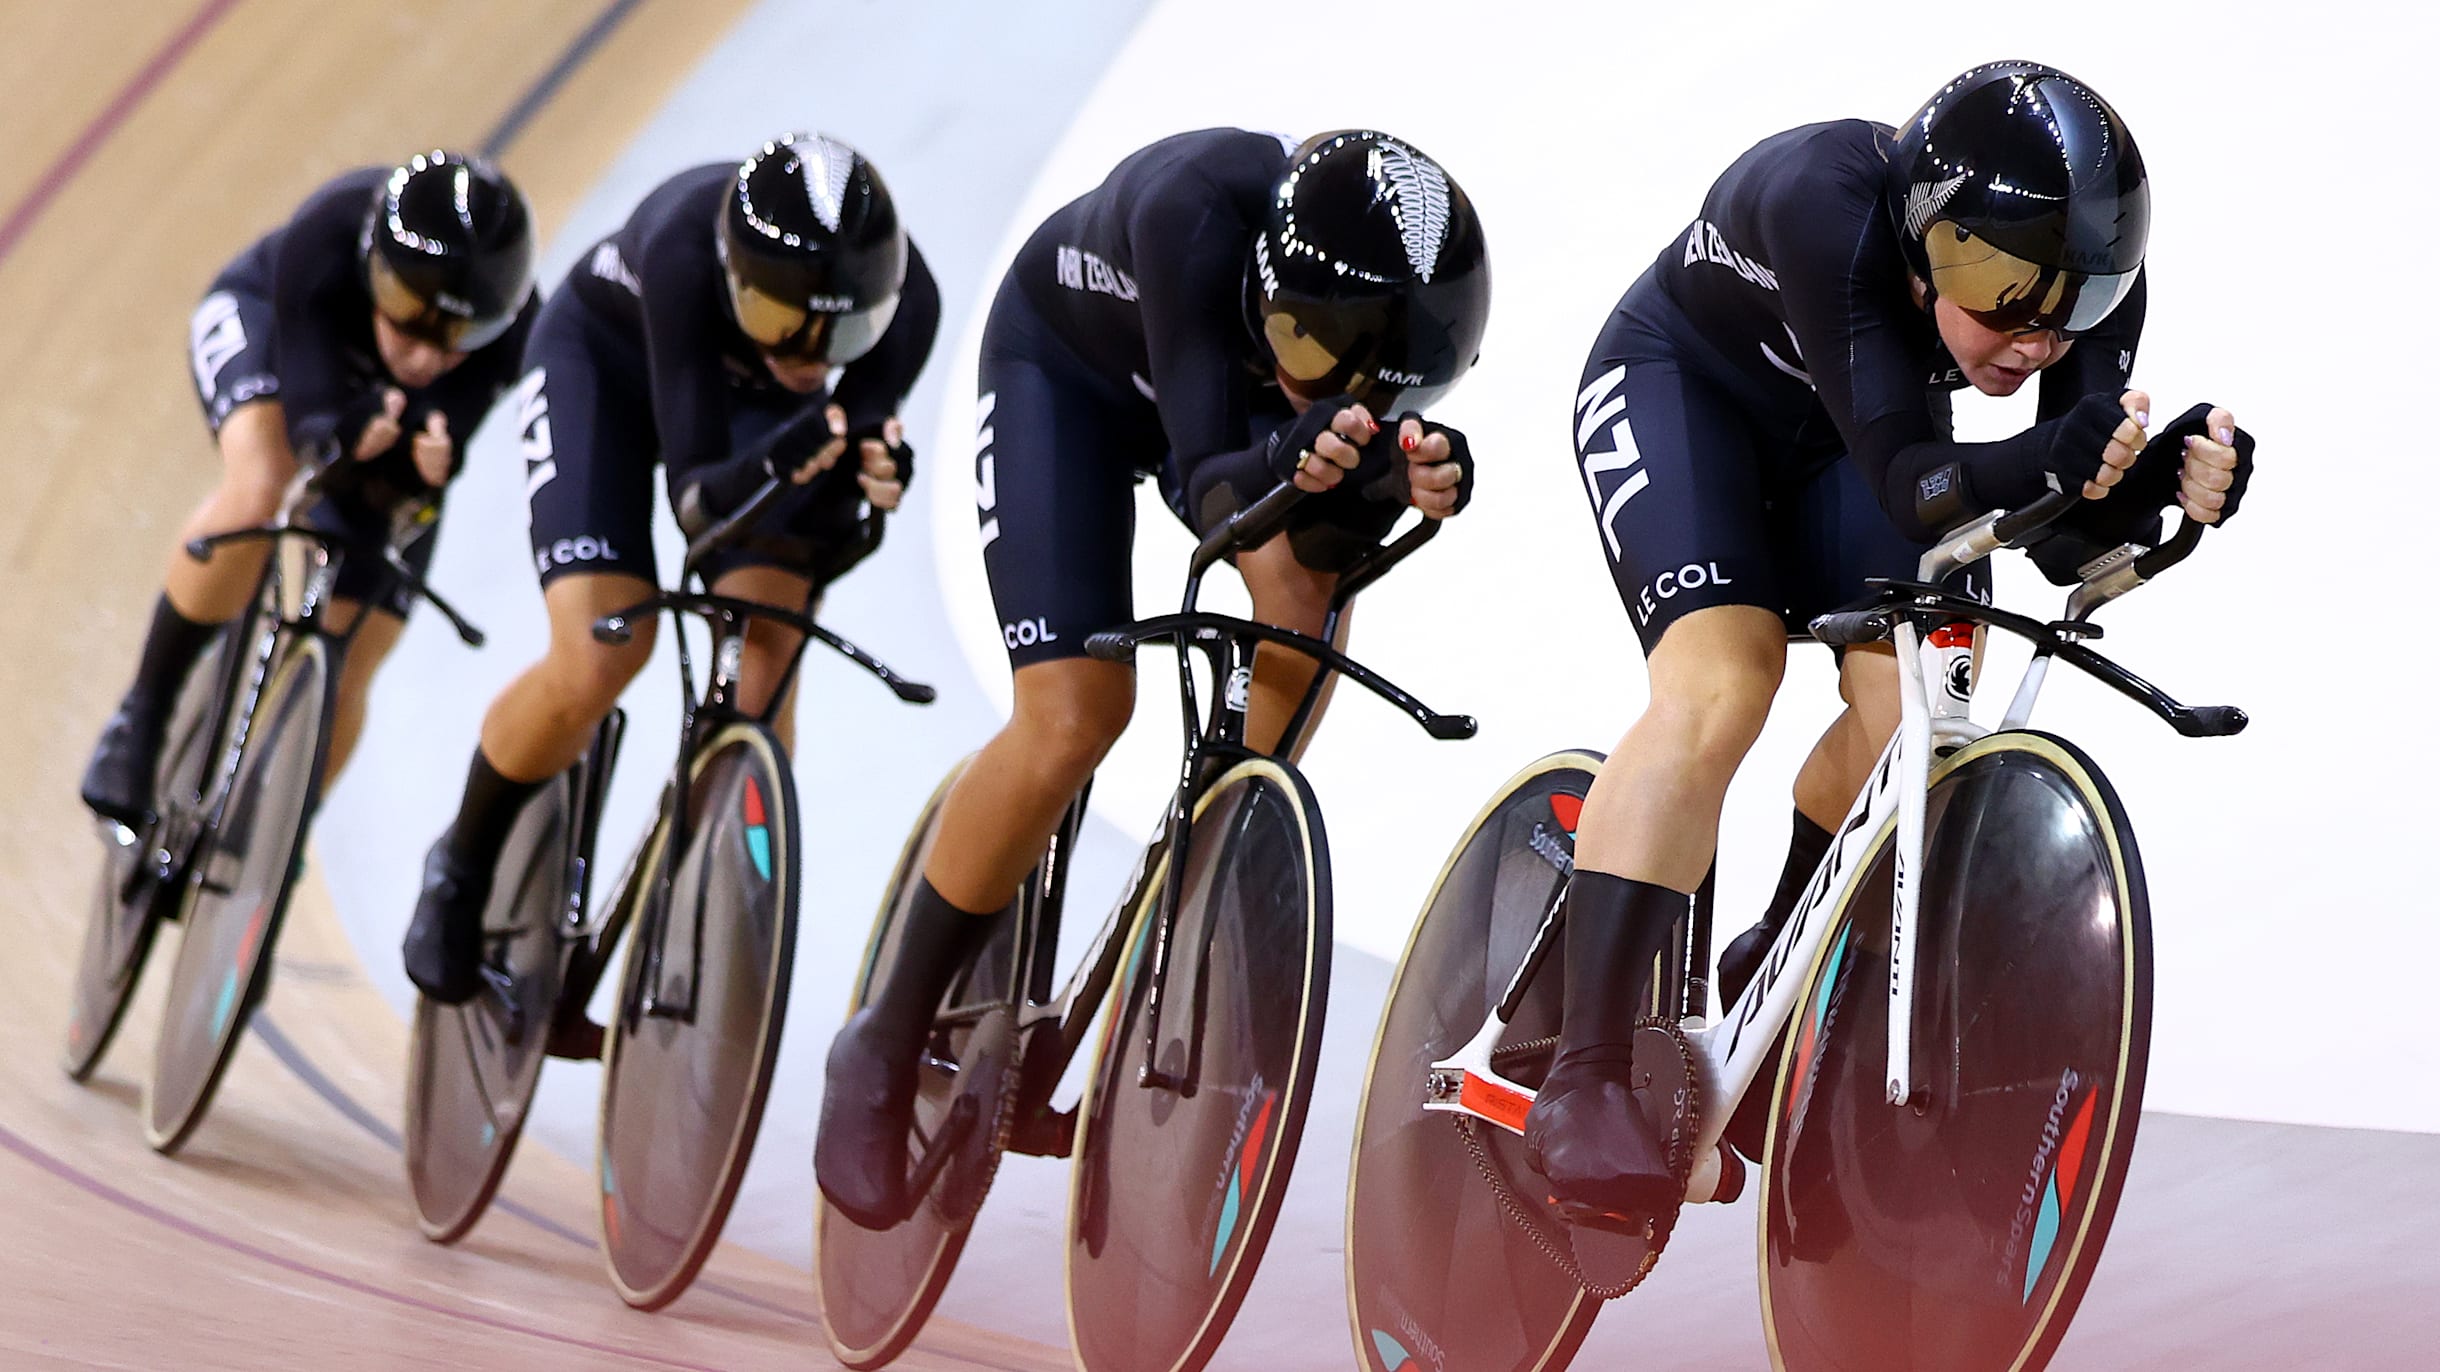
column 1525, row 1215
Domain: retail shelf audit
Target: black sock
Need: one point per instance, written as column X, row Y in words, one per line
column 1615, row 928
column 1806, row 844
column 485, row 813
column 171, row 645
column 937, row 940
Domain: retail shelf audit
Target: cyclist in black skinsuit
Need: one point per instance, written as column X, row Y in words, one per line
column 384, row 318
column 1763, row 423
column 746, row 321
column 1227, row 311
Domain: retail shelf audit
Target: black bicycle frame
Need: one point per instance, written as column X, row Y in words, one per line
column 716, row 706
column 1054, row 1029
column 182, row 821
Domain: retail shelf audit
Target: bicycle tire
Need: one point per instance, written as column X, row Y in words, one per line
column 879, row 1287
column 229, row 925
column 1173, row 1196
column 127, row 909
column 1427, row 1233
column 677, row 1126
column 2032, row 1039
column 472, row 1068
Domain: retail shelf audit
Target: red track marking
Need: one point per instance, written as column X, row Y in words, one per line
column 55, row 178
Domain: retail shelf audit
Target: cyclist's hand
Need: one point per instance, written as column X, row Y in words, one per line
column 885, row 462
column 1440, row 466
column 2213, row 477
column 381, row 427
column 801, row 469
column 2125, row 442
column 1320, row 446
column 435, row 455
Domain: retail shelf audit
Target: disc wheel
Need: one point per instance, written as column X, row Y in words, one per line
column 1174, row 1191
column 1443, row 1216
column 237, row 892
column 1959, row 1232
column 472, row 1068
column 878, row 1287
column 703, row 998
column 127, row 903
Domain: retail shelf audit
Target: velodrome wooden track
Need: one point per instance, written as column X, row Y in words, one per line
column 141, row 143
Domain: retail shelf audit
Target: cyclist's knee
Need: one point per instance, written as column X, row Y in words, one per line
column 1069, row 712
column 587, row 677
column 1713, row 716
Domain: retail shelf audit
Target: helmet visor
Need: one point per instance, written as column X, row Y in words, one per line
column 428, row 320
column 2005, row 292
column 1319, row 362
column 791, row 330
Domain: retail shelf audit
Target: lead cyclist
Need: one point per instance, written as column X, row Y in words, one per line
column 1763, row 424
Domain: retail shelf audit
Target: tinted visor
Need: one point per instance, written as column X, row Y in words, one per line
column 790, row 330
column 2011, row 295
column 1340, row 353
column 428, row 321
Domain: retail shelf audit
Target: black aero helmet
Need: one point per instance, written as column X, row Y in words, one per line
column 1369, row 275
column 814, row 254
column 2019, row 195
column 449, row 250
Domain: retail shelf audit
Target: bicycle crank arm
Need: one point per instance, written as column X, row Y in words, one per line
column 944, row 1146
column 1465, row 1083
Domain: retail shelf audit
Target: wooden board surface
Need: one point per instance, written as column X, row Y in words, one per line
column 281, row 1236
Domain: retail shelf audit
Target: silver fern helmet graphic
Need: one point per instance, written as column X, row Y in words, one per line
column 1924, row 200
column 826, row 167
column 1419, row 200
column 812, row 250
column 1368, row 276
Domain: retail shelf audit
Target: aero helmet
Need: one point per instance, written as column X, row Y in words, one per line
column 1369, row 274
column 449, row 250
column 2018, row 195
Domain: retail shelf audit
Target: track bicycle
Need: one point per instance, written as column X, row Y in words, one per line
column 1192, row 1110
column 239, row 779
column 712, row 892
column 1953, row 1086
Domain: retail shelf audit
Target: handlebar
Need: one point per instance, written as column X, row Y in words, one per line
column 2065, row 640
column 1118, row 645
column 618, row 629
column 395, row 565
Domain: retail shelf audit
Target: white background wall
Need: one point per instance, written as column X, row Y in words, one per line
column 2287, row 165
column 2289, row 184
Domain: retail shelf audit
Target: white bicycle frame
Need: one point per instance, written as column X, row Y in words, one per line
column 1730, row 1054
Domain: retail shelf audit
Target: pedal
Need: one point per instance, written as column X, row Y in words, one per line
column 1045, row 1134
column 1638, row 1227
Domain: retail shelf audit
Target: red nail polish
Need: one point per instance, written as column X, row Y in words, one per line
column 1408, row 442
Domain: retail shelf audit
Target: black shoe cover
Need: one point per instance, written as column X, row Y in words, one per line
column 118, row 784
column 1590, row 1142
column 444, row 944
column 868, row 1104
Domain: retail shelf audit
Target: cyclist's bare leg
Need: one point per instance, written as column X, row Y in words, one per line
column 195, row 597
column 1653, row 814
column 1841, row 760
column 769, row 647
column 374, row 639
column 256, row 465
column 1643, row 843
column 1288, row 595
column 544, row 720
column 996, row 821
column 536, row 727
column 1846, row 752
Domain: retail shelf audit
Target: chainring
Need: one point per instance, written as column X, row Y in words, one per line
column 987, row 1076
column 1610, row 1261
